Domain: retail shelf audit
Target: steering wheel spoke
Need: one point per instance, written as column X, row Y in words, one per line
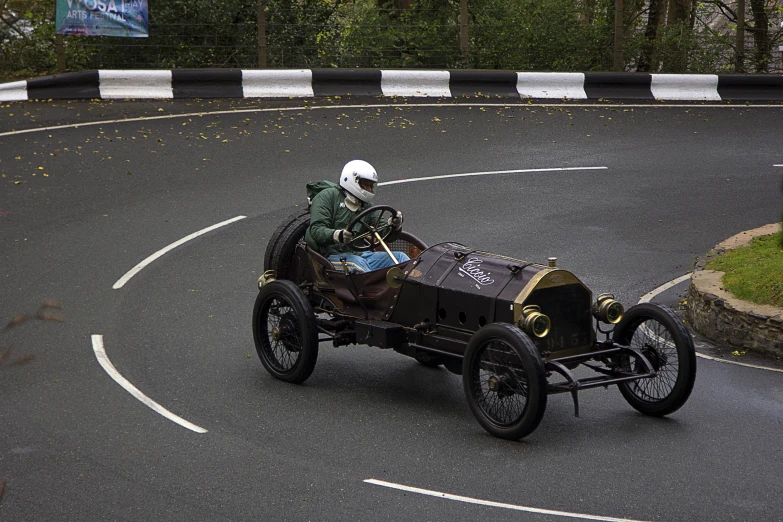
column 372, row 222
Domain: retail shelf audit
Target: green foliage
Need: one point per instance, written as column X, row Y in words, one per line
column 424, row 36
column 755, row 272
column 27, row 37
column 301, row 34
column 546, row 35
column 680, row 49
column 192, row 34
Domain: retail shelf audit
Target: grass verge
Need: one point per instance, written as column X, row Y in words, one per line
column 755, row 272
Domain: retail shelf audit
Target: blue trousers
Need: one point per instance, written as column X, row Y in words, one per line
column 367, row 261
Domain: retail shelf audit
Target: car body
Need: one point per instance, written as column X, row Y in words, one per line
column 513, row 329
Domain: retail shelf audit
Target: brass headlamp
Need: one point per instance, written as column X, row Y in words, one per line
column 533, row 322
column 608, row 310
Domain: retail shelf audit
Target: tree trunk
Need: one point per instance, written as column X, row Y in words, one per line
column 619, row 35
column 679, row 11
column 261, row 35
column 656, row 13
column 762, row 52
column 463, row 32
column 679, row 16
column 739, row 67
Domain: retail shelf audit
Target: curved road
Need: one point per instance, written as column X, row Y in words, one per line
column 81, row 206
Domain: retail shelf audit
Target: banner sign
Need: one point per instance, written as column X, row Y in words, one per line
column 126, row 18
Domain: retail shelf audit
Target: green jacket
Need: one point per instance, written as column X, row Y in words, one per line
column 327, row 214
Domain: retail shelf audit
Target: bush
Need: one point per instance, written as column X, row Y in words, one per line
column 680, row 49
column 544, row 35
column 301, row 34
column 424, row 36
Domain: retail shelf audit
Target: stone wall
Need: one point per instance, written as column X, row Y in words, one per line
column 721, row 317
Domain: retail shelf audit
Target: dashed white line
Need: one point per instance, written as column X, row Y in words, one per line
column 103, row 359
column 489, row 173
column 488, row 503
column 138, row 268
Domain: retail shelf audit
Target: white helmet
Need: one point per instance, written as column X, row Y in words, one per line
column 357, row 173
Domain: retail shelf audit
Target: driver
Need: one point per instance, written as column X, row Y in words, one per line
column 333, row 208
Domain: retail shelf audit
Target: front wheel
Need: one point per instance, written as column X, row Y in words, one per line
column 504, row 381
column 660, row 335
column 285, row 331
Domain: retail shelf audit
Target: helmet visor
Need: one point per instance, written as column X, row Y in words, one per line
column 367, row 184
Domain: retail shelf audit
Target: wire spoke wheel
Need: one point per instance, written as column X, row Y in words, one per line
column 500, row 384
column 282, row 331
column 504, row 381
column 285, row 332
column 656, row 343
column 660, row 335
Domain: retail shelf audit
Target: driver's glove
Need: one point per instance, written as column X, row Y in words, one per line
column 396, row 221
column 342, row 236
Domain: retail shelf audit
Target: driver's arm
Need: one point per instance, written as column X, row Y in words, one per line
column 322, row 216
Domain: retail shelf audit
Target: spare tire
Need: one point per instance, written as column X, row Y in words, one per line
column 281, row 247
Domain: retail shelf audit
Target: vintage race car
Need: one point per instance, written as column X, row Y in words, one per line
column 516, row 331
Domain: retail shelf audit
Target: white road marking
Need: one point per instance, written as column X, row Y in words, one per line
column 136, row 269
column 103, row 359
column 515, row 104
column 747, row 365
column 488, row 503
column 777, row 165
column 488, row 173
column 646, row 298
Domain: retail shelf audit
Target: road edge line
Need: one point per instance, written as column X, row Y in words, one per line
column 138, row 268
column 489, row 503
column 106, row 364
column 649, row 295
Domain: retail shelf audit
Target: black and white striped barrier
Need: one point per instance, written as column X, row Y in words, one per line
column 307, row 83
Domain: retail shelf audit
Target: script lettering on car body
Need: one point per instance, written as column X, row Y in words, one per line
column 472, row 269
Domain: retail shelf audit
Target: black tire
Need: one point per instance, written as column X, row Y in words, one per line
column 504, row 380
column 285, row 331
column 280, row 249
column 430, row 360
column 661, row 336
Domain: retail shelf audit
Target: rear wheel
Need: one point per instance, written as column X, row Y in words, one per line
column 660, row 335
column 285, row 331
column 280, row 249
column 504, row 380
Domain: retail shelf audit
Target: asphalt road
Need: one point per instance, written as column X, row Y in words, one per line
column 81, row 206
